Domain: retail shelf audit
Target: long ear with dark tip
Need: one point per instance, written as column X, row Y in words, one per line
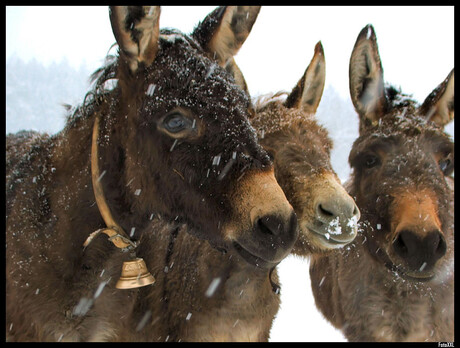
column 438, row 107
column 136, row 29
column 366, row 78
column 224, row 30
column 308, row 91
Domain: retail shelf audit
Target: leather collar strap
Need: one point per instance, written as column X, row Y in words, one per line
column 115, row 232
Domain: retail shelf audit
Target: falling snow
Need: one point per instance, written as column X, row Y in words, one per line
column 83, row 306
column 144, row 320
column 173, row 145
column 212, row 287
column 100, row 288
column 334, row 227
column 216, row 160
column 150, row 90
column 422, row 267
column 343, row 134
column 101, row 176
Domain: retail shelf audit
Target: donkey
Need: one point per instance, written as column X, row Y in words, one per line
column 301, row 149
column 395, row 281
column 161, row 117
column 202, row 293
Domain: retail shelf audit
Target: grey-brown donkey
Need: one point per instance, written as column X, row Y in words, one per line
column 395, row 281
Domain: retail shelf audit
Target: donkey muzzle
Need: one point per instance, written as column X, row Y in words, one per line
column 267, row 229
column 271, row 240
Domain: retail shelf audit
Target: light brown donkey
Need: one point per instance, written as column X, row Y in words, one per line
column 395, row 282
column 301, row 148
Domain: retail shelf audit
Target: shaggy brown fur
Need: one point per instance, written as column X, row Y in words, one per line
column 203, row 294
column 395, row 282
column 174, row 140
column 200, row 293
column 301, row 149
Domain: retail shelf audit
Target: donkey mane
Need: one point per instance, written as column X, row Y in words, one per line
column 397, row 98
column 401, row 116
column 280, row 119
column 99, row 91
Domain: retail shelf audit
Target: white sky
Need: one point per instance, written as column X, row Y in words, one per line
column 416, row 47
column 416, row 43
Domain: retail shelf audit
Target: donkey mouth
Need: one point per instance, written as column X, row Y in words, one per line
column 253, row 259
column 417, row 276
column 382, row 256
column 411, row 275
column 328, row 238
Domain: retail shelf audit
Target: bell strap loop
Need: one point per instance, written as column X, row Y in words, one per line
column 117, row 239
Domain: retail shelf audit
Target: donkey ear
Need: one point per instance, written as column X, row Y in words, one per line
column 235, row 71
column 366, row 78
column 308, row 91
column 224, row 30
column 136, row 29
column 438, row 107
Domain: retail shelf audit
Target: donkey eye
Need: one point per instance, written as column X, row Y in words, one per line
column 176, row 122
column 445, row 165
column 371, row 161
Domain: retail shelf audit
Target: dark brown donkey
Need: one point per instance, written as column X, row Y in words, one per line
column 395, row 282
column 171, row 138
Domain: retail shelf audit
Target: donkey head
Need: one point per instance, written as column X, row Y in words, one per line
column 400, row 163
column 301, row 149
column 189, row 144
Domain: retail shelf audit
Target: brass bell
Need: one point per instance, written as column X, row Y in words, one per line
column 134, row 274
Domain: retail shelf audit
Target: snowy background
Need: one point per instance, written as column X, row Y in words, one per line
column 51, row 51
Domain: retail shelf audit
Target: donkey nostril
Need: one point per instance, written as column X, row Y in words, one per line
column 262, row 226
column 400, row 246
column 270, row 225
column 416, row 250
column 324, row 211
column 442, row 248
column 440, row 244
